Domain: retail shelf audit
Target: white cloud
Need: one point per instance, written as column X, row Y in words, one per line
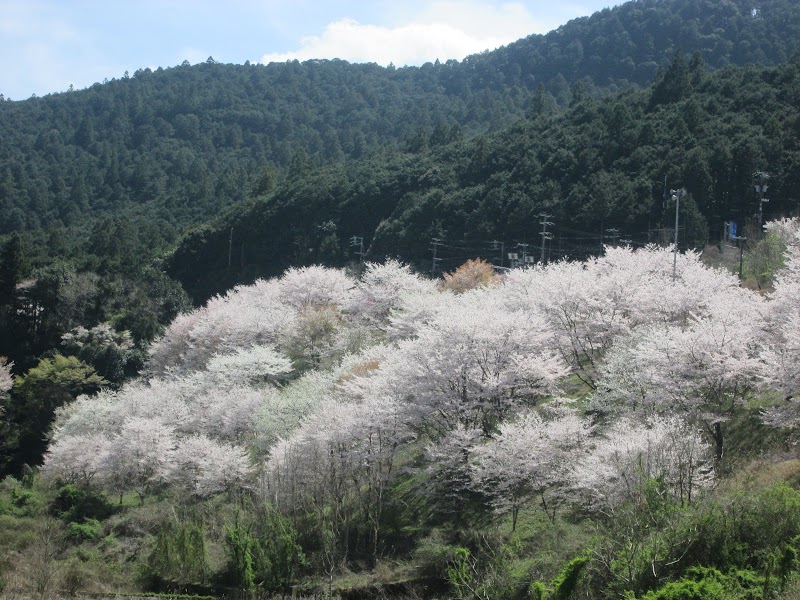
column 443, row 29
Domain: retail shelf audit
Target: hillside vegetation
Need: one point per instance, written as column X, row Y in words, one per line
column 582, row 429
column 179, row 144
column 597, row 169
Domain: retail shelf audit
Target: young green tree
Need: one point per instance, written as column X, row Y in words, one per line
column 35, row 396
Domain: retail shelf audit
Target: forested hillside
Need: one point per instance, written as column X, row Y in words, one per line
column 596, row 168
column 179, row 144
column 620, row 427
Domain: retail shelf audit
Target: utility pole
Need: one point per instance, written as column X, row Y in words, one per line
column 739, row 241
column 676, row 196
column 761, row 188
column 613, row 233
column 524, row 248
column 544, row 233
column 358, row 241
column 230, row 249
column 499, row 246
column 435, row 243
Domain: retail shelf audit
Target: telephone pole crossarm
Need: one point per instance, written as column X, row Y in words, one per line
column 358, row 241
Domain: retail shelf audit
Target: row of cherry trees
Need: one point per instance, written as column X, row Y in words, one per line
column 320, row 391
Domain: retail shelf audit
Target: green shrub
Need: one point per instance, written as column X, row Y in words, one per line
column 566, row 582
column 90, row 529
column 744, row 531
column 705, row 583
column 461, row 573
column 432, row 555
column 179, row 555
column 263, row 551
column 20, row 498
column 538, row 591
column 77, row 503
column 734, row 532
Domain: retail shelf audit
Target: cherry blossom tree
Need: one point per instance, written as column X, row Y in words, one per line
column 339, row 460
column 315, row 287
column 592, row 304
column 781, row 369
column 76, row 458
column 704, row 370
column 380, row 433
column 786, row 229
column 780, row 354
column 254, row 365
column 246, row 316
column 527, row 457
column 174, row 346
column 309, row 475
column 136, row 434
column 6, row 379
column 87, row 415
column 382, row 288
column 634, row 451
column 139, row 456
column 632, row 480
column 205, row 466
column 415, row 310
column 474, row 363
column 282, row 411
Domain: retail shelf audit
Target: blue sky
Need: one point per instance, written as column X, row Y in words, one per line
column 49, row 44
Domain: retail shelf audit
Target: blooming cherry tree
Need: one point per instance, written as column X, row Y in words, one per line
column 257, row 364
column 780, row 354
column 76, row 458
column 382, row 288
column 315, row 287
column 527, row 457
column 591, row 305
column 6, row 380
column 205, row 466
column 474, row 363
column 139, row 456
column 246, row 316
column 633, row 452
